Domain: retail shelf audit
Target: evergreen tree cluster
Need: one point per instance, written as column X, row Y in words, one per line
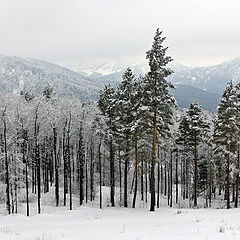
column 135, row 142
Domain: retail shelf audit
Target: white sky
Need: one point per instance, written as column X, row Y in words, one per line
column 199, row 32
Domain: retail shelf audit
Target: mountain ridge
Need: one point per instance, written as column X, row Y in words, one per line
column 211, row 78
column 32, row 75
column 26, row 74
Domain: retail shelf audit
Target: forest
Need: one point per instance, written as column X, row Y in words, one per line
column 134, row 140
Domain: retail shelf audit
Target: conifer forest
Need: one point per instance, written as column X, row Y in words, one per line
column 119, row 120
column 134, row 141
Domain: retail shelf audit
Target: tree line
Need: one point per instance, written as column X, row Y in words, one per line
column 135, row 141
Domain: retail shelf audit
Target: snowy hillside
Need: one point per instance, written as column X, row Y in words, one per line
column 17, row 74
column 213, row 79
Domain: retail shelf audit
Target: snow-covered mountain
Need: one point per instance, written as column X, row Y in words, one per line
column 213, row 79
column 204, row 84
column 17, row 74
column 110, row 68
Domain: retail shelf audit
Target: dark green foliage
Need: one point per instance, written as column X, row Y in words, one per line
column 48, row 92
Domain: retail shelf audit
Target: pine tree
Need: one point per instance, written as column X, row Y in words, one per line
column 125, row 120
column 157, row 101
column 197, row 130
column 80, row 163
column 237, row 98
column 99, row 127
column 6, row 161
column 107, row 106
column 182, row 143
column 48, row 92
column 138, row 131
column 226, row 130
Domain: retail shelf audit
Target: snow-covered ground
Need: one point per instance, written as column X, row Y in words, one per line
column 89, row 222
column 118, row 223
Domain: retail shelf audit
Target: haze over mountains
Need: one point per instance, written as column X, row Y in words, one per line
column 204, row 84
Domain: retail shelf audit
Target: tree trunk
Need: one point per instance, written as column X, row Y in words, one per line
column 176, row 177
column 158, row 187
column 136, row 173
column 6, row 165
column 195, row 172
column 33, row 177
column 65, row 185
column 165, row 179
column 120, row 175
column 56, row 165
column 228, row 173
column 26, row 175
column 125, row 201
column 237, row 177
column 37, row 160
column 161, row 179
column 152, row 182
column 112, row 175
column 233, row 192
column 171, row 179
column 35, row 180
column 69, row 163
column 187, row 178
column 169, row 187
column 81, row 166
column 183, row 178
column 210, row 194
column 15, row 191
column 142, row 179
column 38, row 178
column 146, row 180
column 100, row 172
column 86, row 175
column 11, row 192
column 91, row 171
column 158, row 178
column 133, row 180
column 43, row 174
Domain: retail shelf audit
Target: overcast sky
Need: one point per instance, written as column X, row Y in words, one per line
column 199, row 32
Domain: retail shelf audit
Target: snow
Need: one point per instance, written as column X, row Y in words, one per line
column 112, row 67
column 88, row 222
column 119, row 223
column 18, row 74
column 144, row 108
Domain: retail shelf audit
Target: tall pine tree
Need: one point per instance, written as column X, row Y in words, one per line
column 197, row 129
column 226, row 131
column 156, row 100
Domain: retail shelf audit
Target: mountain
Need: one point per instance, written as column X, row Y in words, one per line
column 213, row 79
column 191, row 83
column 17, row 74
column 110, row 70
column 184, row 94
